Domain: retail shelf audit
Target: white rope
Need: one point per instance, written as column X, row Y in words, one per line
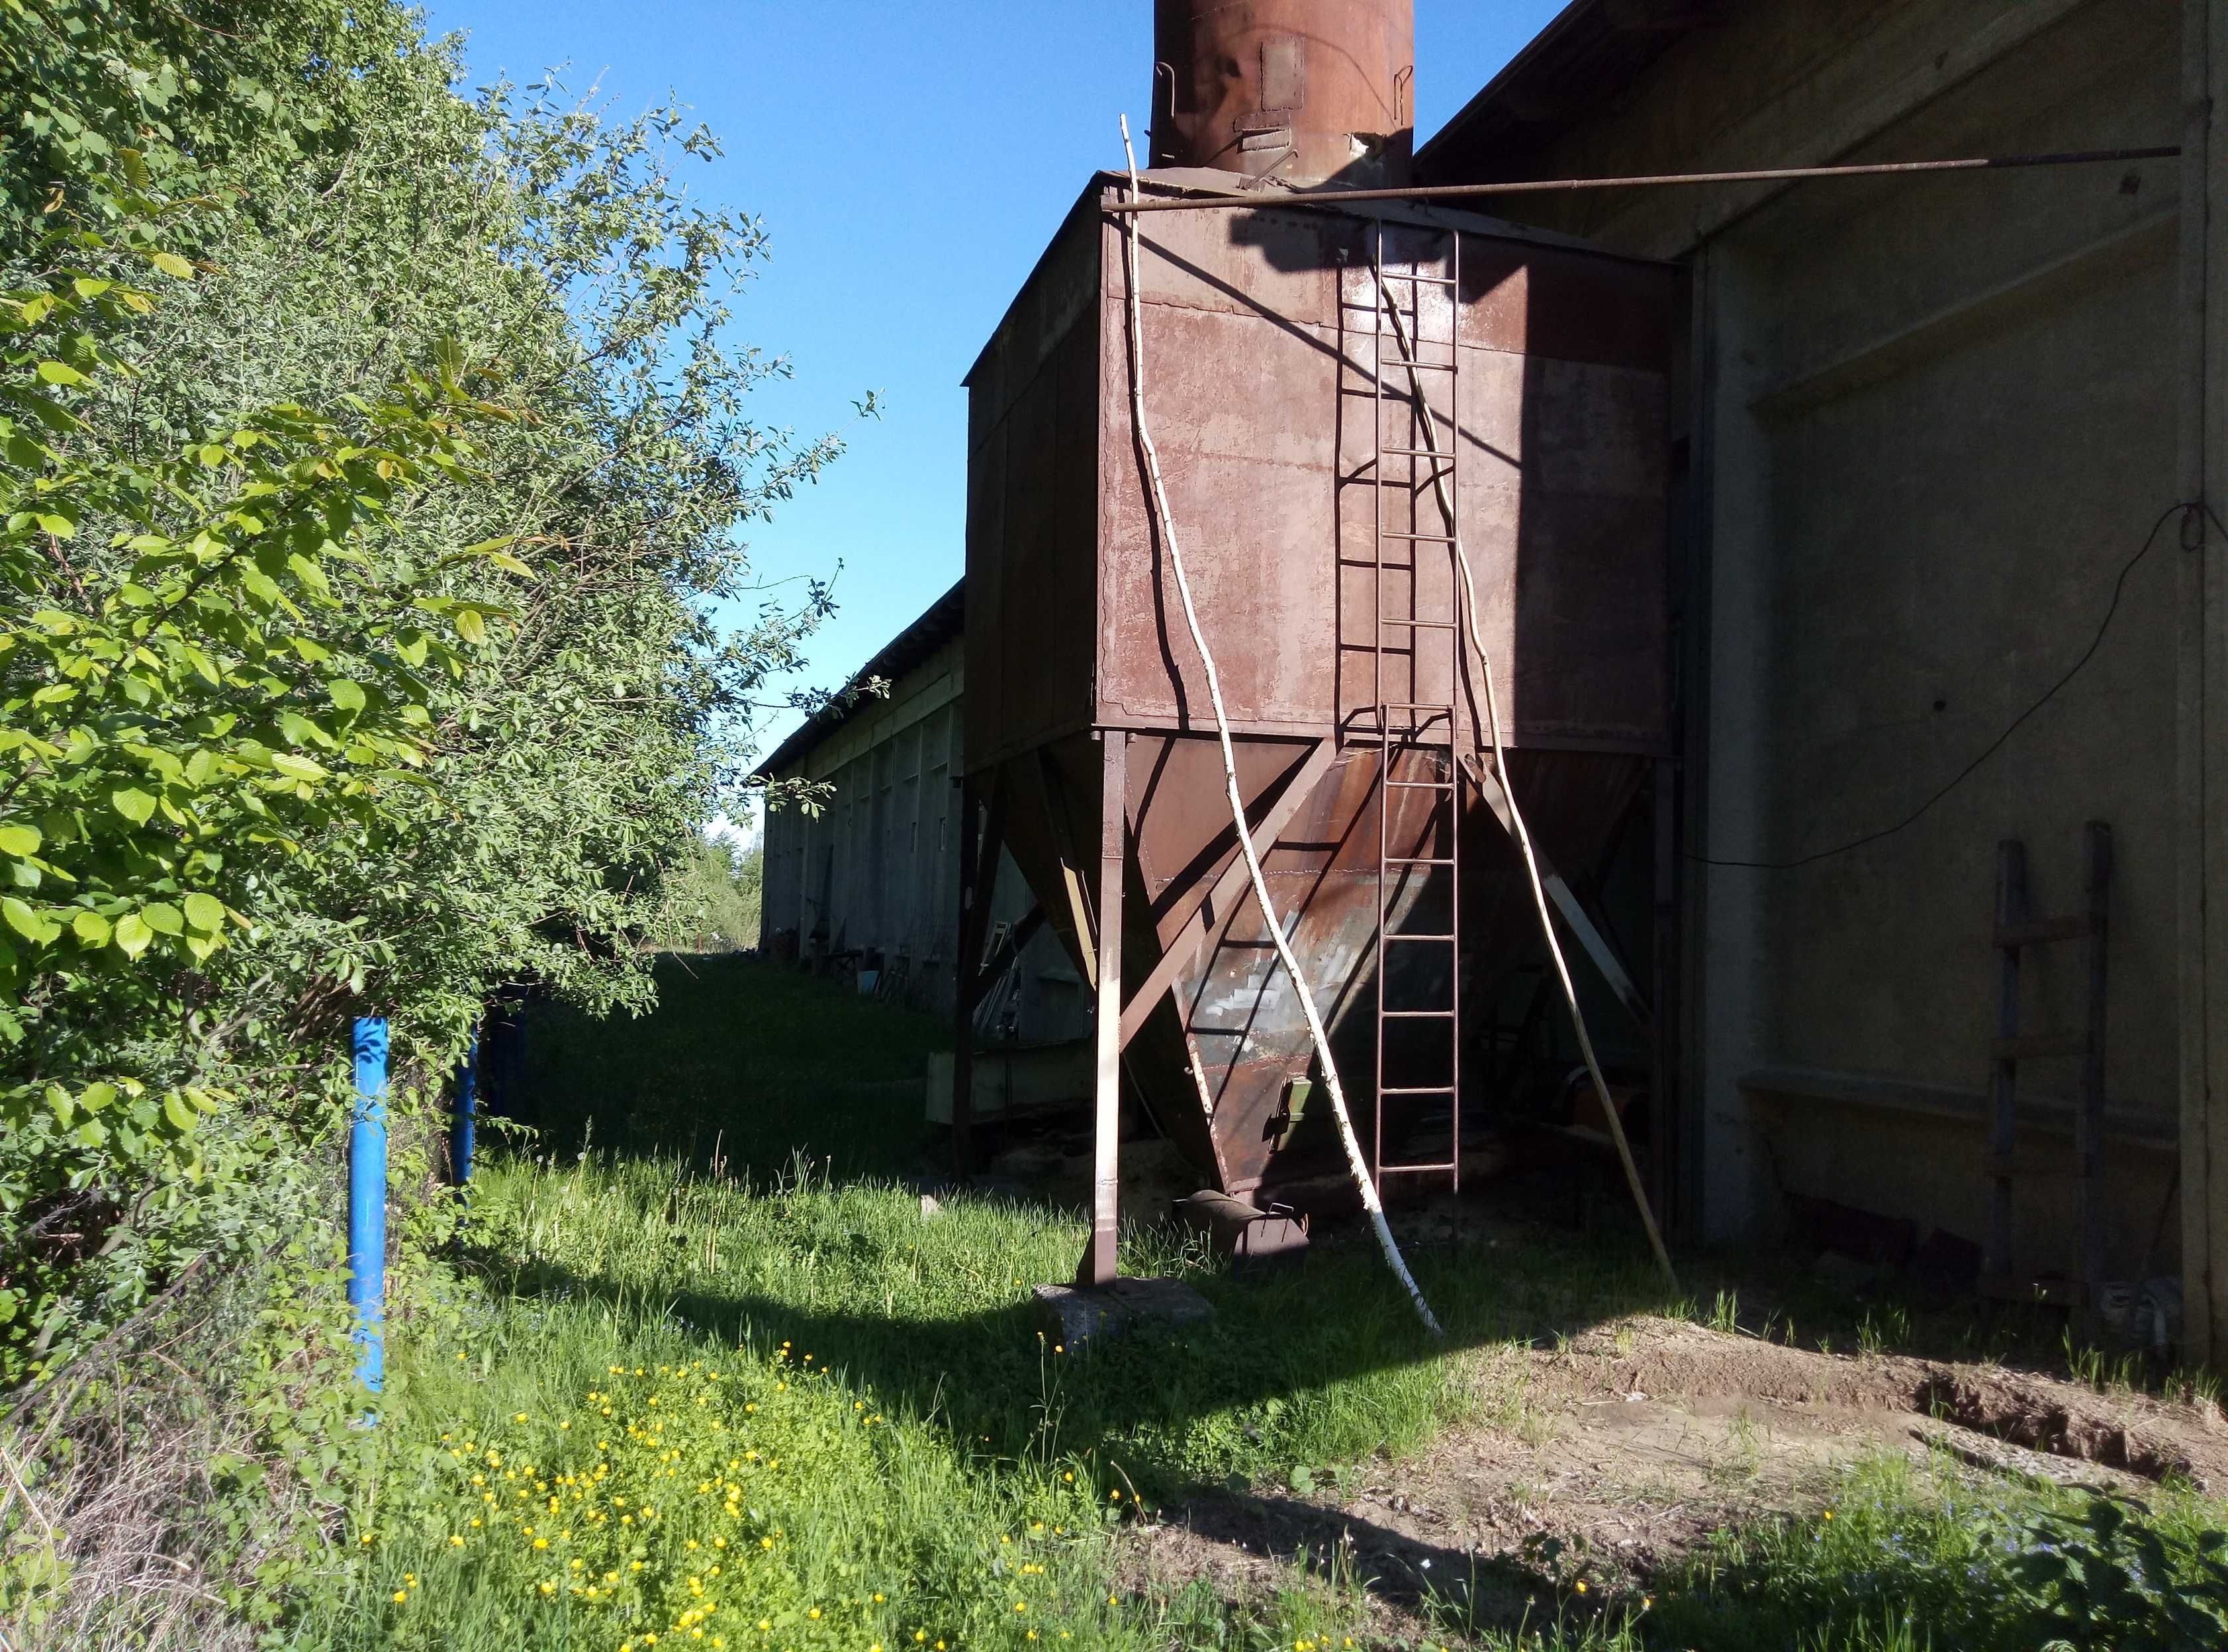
column 1509, row 789
column 1370, row 1201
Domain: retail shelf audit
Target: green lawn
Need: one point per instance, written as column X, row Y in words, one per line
column 779, row 1408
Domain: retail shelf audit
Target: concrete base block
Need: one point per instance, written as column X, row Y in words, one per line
column 1073, row 1318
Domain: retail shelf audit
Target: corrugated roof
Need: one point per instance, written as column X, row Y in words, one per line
column 943, row 621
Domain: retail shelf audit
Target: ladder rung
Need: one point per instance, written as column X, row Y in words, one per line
column 1418, row 938
column 1413, row 1169
column 1416, row 280
column 1416, row 860
column 1416, row 1090
column 1422, row 367
column 1420, row 539
column 1420, row 786
column 1417, row 1014
column 2041, row 930
column 2033, row 1045
column 1414, row 453
column 1422, row 624
column 1383, row 705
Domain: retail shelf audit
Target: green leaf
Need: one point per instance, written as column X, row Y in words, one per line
column 16, row 838
column 164, row 918
column 171, row 263
column 183, row 1118
column 204, row 912
column 95, row 1097
column 27, row 921
column 298, row 768
column 471, row 626
column 345, row 693
column 91, row 928
column 132, row 803
column 60, row 373
column 59, row 1104
column 60, row 526
column 132, row 936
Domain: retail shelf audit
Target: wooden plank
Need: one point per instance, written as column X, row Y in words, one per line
column 2089, row 1122
column 1213, row 901
column 1072, row 895
column 2003, row 1125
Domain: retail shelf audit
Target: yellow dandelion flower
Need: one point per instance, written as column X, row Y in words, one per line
column 455, row 1542
column 401, row 1595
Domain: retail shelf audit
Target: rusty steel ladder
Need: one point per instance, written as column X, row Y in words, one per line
column 1416, row 736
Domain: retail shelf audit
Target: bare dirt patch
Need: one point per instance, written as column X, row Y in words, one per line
column 1639, row 1439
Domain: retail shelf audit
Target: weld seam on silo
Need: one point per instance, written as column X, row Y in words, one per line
column 1370, row 1201
column 1522, row 832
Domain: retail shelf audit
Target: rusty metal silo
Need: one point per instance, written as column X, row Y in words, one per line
column 1304, row 90
column 1350, row 405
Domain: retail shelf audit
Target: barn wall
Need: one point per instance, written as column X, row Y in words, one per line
column 1935, row 418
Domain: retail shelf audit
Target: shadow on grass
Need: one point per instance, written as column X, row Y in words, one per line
column 741, row 1057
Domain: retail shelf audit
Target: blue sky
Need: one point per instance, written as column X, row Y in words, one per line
column 909, row 162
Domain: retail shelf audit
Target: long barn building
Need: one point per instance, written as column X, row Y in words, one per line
column 1944, row 463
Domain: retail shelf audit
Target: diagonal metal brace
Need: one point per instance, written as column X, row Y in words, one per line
column 1582, row 926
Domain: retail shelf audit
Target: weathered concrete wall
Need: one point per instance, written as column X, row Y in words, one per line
column 875, row 875
column 1934, row 419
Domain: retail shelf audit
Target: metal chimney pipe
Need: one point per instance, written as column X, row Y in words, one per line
column 1310, row 91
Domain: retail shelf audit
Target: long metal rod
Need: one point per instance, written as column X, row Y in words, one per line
column 1335, row 198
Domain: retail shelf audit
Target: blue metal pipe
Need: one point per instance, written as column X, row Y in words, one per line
column 366, row 1254
column 462, row 1126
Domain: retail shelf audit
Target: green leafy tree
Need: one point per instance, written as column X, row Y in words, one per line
column 375, row 463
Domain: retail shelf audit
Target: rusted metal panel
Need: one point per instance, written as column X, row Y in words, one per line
column 1302, row 90
column 1259, row 334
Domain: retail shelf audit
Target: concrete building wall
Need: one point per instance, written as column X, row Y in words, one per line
column 873, row 879
column 1933, row 419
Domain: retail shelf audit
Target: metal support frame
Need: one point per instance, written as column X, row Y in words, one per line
column 1210, row 904
column 1099, row 1266
column 978, row 871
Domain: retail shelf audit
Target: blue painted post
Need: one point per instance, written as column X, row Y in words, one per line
column 368, row 1202
column 462, row 1126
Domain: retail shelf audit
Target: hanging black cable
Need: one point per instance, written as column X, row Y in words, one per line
column 2186, row 509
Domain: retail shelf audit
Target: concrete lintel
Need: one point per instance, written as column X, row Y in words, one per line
column 1950, row 1103
column 2127, row 248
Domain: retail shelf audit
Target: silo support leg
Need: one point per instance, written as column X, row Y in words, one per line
column 1098, row 1261
column 979, row 873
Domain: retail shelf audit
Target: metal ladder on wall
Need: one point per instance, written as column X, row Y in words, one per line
column 1416, row 734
